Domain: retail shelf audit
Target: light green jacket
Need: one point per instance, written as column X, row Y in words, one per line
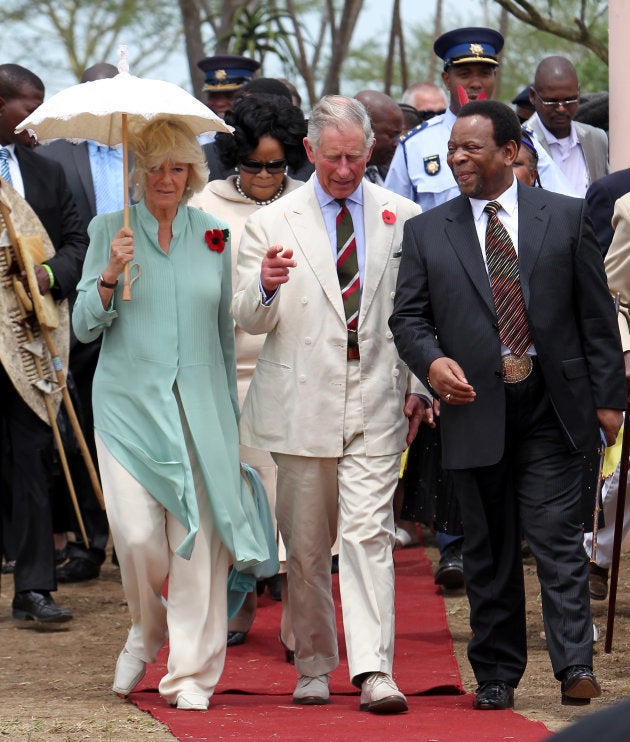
column 177, row 329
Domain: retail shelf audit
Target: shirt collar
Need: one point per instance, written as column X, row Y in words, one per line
column 552, row 139
column 508, row 200
column 324, row 199
column 11, row 149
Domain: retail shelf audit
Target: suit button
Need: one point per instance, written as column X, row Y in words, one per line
column 498, row 374
column 307, row 341
column 302, row 378
column 395, row 372
column 393, row 295
column 303, row 300
column 389, row 334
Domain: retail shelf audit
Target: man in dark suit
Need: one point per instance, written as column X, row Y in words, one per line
column 600, row 204
column 523, row 389
column 95, row 176
column 26, row 443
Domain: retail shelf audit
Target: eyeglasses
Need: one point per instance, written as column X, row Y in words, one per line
column 425, row 115
column 557, row 103
column 273, row 167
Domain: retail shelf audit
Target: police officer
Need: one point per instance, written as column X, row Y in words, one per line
column 418, row 169
column 225, row 74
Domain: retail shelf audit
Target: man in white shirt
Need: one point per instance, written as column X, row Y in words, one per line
column 579, row 150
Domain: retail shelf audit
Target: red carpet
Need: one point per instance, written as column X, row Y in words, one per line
column 253, row 699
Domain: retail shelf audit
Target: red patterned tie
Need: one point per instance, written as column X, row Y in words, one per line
column 506, row 286
column 348, row 270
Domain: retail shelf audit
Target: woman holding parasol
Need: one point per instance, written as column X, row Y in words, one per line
column 165, row 413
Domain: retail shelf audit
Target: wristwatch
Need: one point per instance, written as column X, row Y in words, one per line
column 102, row 282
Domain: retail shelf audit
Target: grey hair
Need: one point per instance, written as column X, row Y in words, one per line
column 339, row 111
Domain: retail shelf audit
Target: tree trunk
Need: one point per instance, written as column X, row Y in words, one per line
column 503, row 30
column 194, row 44
column 341, row 38
column 432, row 72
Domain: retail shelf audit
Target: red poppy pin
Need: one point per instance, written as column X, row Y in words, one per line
column 216, row 239
column 389, row 217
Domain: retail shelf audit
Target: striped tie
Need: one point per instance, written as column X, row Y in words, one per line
column 506, row 286
column 4, row 165
column 348, row 270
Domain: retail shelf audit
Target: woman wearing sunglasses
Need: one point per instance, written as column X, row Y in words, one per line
column 267, row 140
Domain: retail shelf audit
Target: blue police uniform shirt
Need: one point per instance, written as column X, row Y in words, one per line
column 419, row 170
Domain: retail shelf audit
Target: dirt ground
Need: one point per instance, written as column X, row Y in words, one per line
column 56, row 684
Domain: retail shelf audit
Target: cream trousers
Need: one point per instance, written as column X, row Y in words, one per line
column 354, row 493
column 194, row 618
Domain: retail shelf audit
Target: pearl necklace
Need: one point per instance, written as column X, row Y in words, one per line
column 280, row 191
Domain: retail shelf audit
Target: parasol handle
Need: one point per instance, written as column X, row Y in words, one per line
column 126, row 295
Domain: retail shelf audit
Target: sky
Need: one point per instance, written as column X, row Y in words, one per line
column 375, row 15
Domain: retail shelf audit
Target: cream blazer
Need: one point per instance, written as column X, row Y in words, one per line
column 296, row 400
column 617, row 264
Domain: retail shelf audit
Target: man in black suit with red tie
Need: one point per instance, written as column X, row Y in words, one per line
column 502, row 305
column 26, row 442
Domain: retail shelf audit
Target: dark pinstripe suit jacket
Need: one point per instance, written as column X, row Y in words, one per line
column 444, row 307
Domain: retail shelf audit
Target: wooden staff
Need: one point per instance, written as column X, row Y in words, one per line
column 616, row 555
column 126, row 294
column 61, row 378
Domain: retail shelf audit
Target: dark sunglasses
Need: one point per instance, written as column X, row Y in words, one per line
column 273, row 167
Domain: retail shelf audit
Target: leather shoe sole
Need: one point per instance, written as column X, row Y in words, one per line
column 394, row 704
column 580, row 688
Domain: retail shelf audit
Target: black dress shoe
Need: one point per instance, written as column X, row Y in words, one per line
column 450, row 571
column 289, row 654
column 235, row 638
column 579, row 685
column 78, row 569
column 274, row 587
column 31, row 605
column 494, row 695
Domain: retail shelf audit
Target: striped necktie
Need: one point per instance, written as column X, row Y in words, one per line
column 4, row 165
column 348, row 270
column 505, row 282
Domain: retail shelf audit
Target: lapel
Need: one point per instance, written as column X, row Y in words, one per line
column 461, row 232
column 379, row 238
column 28, row 169
column 81, row 160
column 538, row 133
column 307, row 224
column 533, row 218
column 586, row 141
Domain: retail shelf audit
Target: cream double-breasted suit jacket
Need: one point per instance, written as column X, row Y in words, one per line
column 295, row 404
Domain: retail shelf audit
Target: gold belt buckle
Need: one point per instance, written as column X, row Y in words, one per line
column 516, row 368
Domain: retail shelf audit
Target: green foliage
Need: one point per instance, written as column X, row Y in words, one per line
column 257, row 32
column 72, row 35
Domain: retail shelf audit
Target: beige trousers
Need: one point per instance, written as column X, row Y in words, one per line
column 194, row 619
column 354, row 493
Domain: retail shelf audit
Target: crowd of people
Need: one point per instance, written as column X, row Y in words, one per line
column 319, row 296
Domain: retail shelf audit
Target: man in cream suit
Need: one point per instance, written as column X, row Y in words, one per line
column 579, row 150
column 329, row 398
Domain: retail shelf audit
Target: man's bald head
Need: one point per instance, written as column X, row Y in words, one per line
column 554, row 69
column 555, row 94
column 387, row 123
column 99, row 71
